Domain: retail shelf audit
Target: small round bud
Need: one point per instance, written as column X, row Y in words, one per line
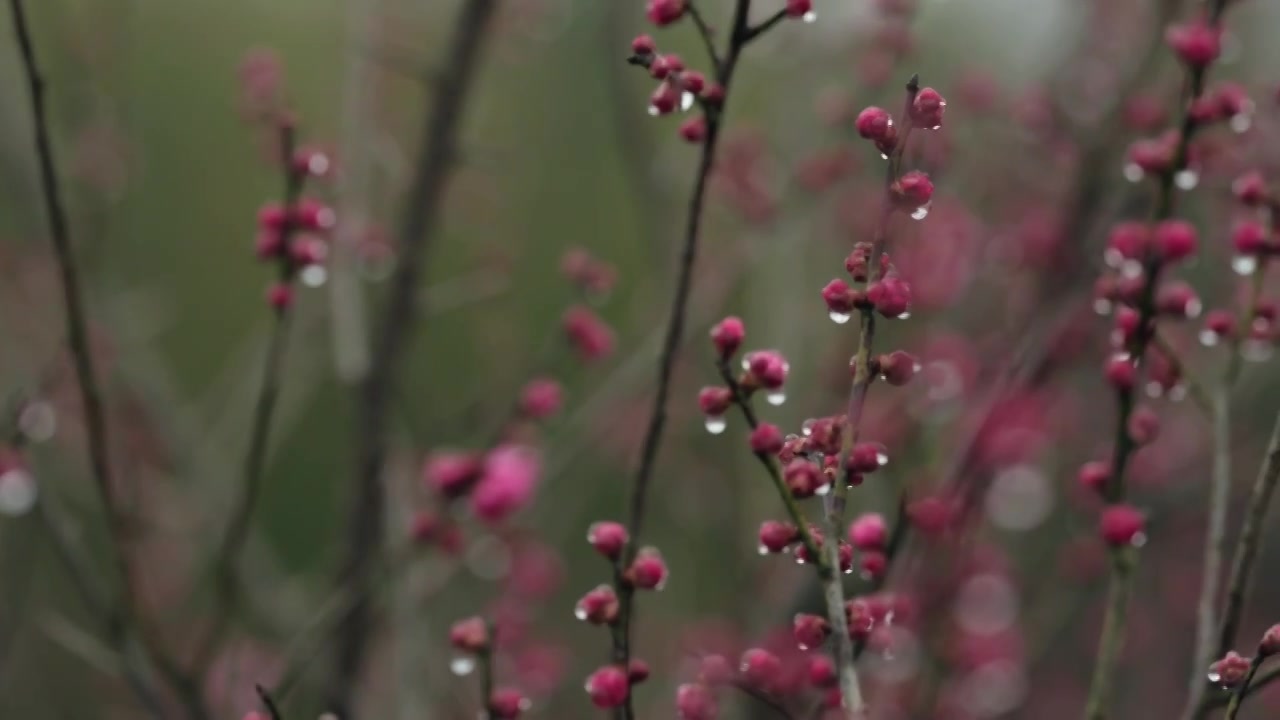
column 598, row 606
column 1122, row 525
column 891, row 296
column 664, row 12
column 608, row 538
column 714, row 401
column 1230, row 670
column 715, row 670
column 913, row 190
column 280, row 296
column 869, row 532
column 727, row 336
column 810, row 631
column 1179, row 300
column 1249, row 237
column 798, row 8
column 694, row 129
column 470, row 635
column 766, row 439
column 695, row 701
column 637, row 671
column 1195, row 43
column 898, row 367
column 927, row 109
column 1270, row 643
column 648, row 571
column 874, row 123
column 1175, row 240
column 643, row 46
column 838, row 296
column 451, row 473
column 866, row 457
column 608, row 687
column 1121, row 372
column 1095, row 475
column 873, row 564
column 1251, row 189
column 803, row 478
column 776, row 537
column 541, row 398
column 760, row 668
column 1144, row 425
column 821, row 671
column 507, row 704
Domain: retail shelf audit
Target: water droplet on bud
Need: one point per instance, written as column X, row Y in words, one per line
column 38, row 421
column 715, row 424
column 1178, row 393
column 1133, row 173
column 920, row 213
column 1194, row 308
column 822, row 490
column 1214, row 676
column 314, row 275
column 1244, row 264
column 653, row 111
column 883, row 156
column 1241, row 123
column 1255, row 350
column 776, row 397
column 882, row 459
column 1186, row 179
column 580, row 613
column 686, row 101
column 1139, row 539
column 810, row 16
column 838, row 318
column 1154, row 389
column 462, row 665
column 762, row 550
column 1131, row 268
column 905, row 316
column 1102, row 306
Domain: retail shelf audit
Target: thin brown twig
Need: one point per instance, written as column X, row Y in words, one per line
column 1237, row 697
column 269, row 703
column 122, row 616
column 226, row 578
column 739, row 38
column 436, row 157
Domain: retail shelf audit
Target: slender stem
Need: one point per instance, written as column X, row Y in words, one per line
column 708, row 37
column 784, row 493
column 122, row 615
column 1247, row 547
column 227, row 589
column 269, row 703
column 1263, row 680
column 652, row 441
column 1237, row 697
column 762, row 698
column 366, row 516
column 1113, row 632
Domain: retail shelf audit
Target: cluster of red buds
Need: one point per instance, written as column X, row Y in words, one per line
column 610, row 685
column 679, row 88
column 290, row 234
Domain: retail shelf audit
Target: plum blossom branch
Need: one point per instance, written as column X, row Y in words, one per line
column 1197, row 44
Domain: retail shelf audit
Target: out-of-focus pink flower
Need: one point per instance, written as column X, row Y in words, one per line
column 511, row 473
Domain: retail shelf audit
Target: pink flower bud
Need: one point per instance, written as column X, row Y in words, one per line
column 312, row 161
column 648, row 571
column 930, row 515
column 695, row 701
column 664, row 12
column 590, row 336
column 838, row 297
column 271, row 218
column 507, row 704
column 1127, row 241
column 637, row 671
column 1230, row 670
column 511, row 473
column 608, row 538
column 598, row 606
column 768, row 368
column 1175, row 240
column 760, row 668
column 1144, row 425
column 891, row 296
column 1122, row 525
column 1154, row 155
column 867, row 457
column 727, row 336
column 1249, row 237
column 643, row 45
column 861, row 620
column 898, row 367
column 694, row 129
column 280, row 296
column 874, row 564
column 798, row 8
column 541, row 398
column 1270, row 643
column 714, row 670
column 775, row 536
column 665, row 98
column 663, row 66
column 311, row 214
column 1220, row 323
column 821, row 671
column 803, row 478
column 1095, row 475
column 451, row 473
column 269, row 245
column 869, row 532
column 1196, row 43
column 927, row 109
column 1179, row 300
column 1121, row 372
column 913, row 190
column 693, row 81
column 810, row 631
column 470, row 635
column 874, row 123
column 766, row 439
column 608, row 687
column 714, row 401
column 1251, row 189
